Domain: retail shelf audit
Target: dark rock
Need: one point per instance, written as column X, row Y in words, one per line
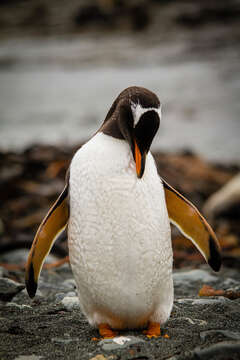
column 225, row 12
column 140, row 17
column 9, row 288
column 92, row 14
column 231, row 335
column 22, row 298
column 221, row 351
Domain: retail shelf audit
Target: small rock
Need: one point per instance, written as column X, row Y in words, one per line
column 28, row 357
column 17, row 306
column 71, row 294
column 186, row 277
column 9, row 288
column 119, row 342
column 69, row 283
column 63, row 341
column 229, row 282
column 71, row 303
column 190, row 321
column 59, row 297
column 219, row 300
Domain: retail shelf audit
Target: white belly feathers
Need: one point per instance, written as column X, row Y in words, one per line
column 119, row 236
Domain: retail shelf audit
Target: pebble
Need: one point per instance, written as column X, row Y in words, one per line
column 119, row 342
column 59, row 297
column 70, row 303
column 9, row 288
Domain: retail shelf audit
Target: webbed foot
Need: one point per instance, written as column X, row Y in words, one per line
column 106, row 332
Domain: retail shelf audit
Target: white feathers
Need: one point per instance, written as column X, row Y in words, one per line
column 138, row 111
column 119, row 236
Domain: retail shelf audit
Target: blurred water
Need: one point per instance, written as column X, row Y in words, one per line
column 59, row 92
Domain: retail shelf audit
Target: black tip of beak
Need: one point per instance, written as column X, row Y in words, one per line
column 31, row 284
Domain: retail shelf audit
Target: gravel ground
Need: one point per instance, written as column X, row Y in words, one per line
column 52, row 327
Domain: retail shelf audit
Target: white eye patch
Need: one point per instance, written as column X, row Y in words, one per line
column 138, row 111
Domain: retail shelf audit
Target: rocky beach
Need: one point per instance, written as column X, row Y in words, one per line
column 57, row 60
column 51, row 325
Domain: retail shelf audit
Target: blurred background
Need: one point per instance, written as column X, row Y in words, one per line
column 62, row 63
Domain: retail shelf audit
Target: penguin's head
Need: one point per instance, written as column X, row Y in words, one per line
column 135, row 117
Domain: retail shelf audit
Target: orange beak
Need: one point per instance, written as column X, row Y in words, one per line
column 139, row 160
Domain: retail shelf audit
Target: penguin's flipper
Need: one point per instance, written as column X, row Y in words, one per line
column 51, row 227
column 186, row 217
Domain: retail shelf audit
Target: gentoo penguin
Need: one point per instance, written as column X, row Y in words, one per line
column 118, row 212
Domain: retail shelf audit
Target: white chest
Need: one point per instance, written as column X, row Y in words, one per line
column 119, row 232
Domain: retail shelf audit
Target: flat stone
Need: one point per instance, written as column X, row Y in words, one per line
column 223, row 350
column 186, row 277
column 17, row 256
column 210, row 301
column 64, row 341
column 230, row 282
column 28, row 357
column 119, row 342
column 232, row 335
column 188, row 320
column 70, row 303
column 17, row 306
column 1, row 271
column 9, row 288
column 71, row 294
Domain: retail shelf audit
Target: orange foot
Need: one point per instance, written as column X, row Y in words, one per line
column 106, row 332
column 153, row 330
